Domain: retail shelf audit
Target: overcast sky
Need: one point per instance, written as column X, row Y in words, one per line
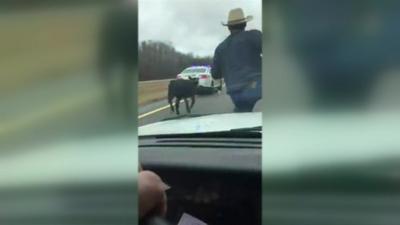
column 192, row 25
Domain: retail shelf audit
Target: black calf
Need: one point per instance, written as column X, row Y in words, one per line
column 182, row 89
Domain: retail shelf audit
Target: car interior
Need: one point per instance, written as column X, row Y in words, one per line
column 214, row 177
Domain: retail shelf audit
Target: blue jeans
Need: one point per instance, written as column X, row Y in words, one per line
column 245, row 99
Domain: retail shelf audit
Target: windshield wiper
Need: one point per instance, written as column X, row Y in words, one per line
column 185, row 116
column 248, row 129
column 249, row 132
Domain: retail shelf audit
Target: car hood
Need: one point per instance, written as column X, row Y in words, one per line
column 203, row 124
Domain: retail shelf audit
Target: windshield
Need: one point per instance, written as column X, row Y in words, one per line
column 234, row 85
column 183, row 109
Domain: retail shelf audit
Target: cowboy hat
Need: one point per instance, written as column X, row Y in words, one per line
column 236, row 16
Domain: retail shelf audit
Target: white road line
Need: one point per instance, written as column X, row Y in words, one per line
column 152, row 112
column 156, row 110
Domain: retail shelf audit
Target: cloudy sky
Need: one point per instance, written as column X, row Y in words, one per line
column 192, row 25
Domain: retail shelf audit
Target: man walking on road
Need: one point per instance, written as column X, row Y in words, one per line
column 238, row 61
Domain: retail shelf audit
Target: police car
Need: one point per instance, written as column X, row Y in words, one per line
column 202, row 74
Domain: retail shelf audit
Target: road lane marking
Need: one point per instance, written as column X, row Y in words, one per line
column 154, row 111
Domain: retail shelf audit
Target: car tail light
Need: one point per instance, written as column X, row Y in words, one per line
column 203, row 76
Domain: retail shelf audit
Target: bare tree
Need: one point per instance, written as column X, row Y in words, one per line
column 159, row 60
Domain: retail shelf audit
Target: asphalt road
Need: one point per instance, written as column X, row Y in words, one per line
column 73, row 109
column 205, row 104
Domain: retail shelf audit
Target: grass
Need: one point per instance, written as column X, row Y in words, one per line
column 151, row 92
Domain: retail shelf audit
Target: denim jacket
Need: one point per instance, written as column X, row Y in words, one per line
column 238, row 60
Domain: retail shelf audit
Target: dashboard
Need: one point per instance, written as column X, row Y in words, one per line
column 215, row 180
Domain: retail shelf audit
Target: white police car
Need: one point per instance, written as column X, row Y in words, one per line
column 202, row 74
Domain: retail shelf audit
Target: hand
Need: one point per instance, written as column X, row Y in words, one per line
column 152, row 197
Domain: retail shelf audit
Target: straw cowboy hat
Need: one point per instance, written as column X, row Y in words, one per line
column 236, row 16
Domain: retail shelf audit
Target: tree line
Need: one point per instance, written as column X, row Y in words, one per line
column 159, row 60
